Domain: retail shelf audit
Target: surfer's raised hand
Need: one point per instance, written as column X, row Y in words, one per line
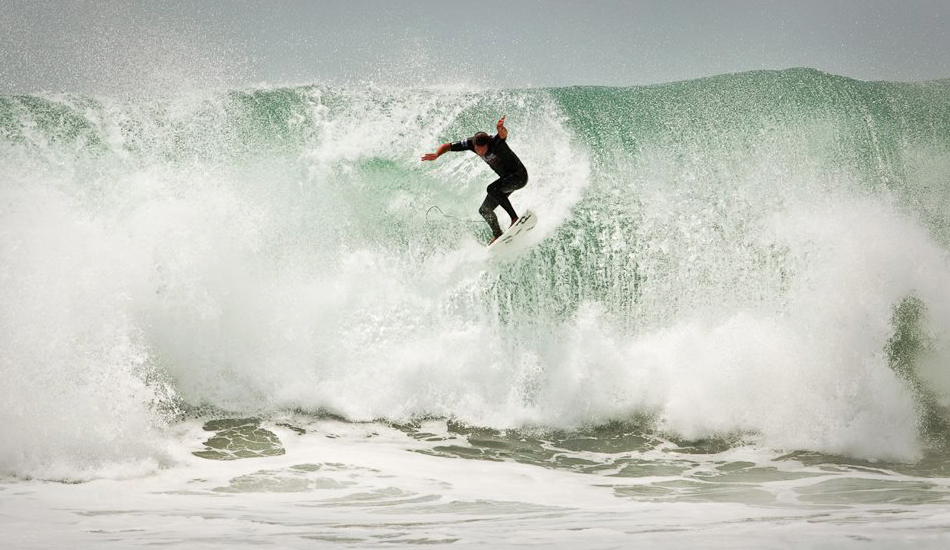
column 502, row 131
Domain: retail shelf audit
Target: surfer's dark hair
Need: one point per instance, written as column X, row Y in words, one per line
column 481, row 138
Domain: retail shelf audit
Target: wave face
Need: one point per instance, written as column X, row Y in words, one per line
column 762, row 254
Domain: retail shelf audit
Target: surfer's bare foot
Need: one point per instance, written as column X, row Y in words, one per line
column 493, row 240
column 514, row 220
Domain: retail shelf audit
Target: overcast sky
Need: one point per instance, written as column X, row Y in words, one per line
column 124, row 47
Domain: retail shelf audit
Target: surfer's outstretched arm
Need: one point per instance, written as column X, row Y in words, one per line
column 444, row 148
column 464, row 145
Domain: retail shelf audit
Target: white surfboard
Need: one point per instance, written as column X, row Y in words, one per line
column 515, row 235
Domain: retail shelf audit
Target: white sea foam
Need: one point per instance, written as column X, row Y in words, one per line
column 267, row 250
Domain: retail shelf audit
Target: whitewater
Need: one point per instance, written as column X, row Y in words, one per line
column 235, row 317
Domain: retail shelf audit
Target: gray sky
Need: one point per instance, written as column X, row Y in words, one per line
column 132, row 47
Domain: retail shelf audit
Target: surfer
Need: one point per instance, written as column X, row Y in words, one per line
column 512, row 175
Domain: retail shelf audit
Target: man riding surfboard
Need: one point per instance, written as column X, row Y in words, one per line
column 512, row 175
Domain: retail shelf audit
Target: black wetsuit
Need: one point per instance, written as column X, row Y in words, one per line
column 512, row 176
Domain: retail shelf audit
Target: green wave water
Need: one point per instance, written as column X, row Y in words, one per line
column 752, row 257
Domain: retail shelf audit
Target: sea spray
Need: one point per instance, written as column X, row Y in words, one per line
column 721, row 256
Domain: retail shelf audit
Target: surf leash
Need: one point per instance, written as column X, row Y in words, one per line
column 460, row 220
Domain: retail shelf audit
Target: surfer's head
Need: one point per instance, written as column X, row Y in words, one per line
column 481, row 141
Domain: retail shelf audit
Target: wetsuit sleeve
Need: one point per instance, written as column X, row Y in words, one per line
column 464, row 145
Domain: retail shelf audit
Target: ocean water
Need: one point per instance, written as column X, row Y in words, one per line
column 236, row 318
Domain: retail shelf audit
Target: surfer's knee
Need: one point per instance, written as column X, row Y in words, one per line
column 521, row 180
